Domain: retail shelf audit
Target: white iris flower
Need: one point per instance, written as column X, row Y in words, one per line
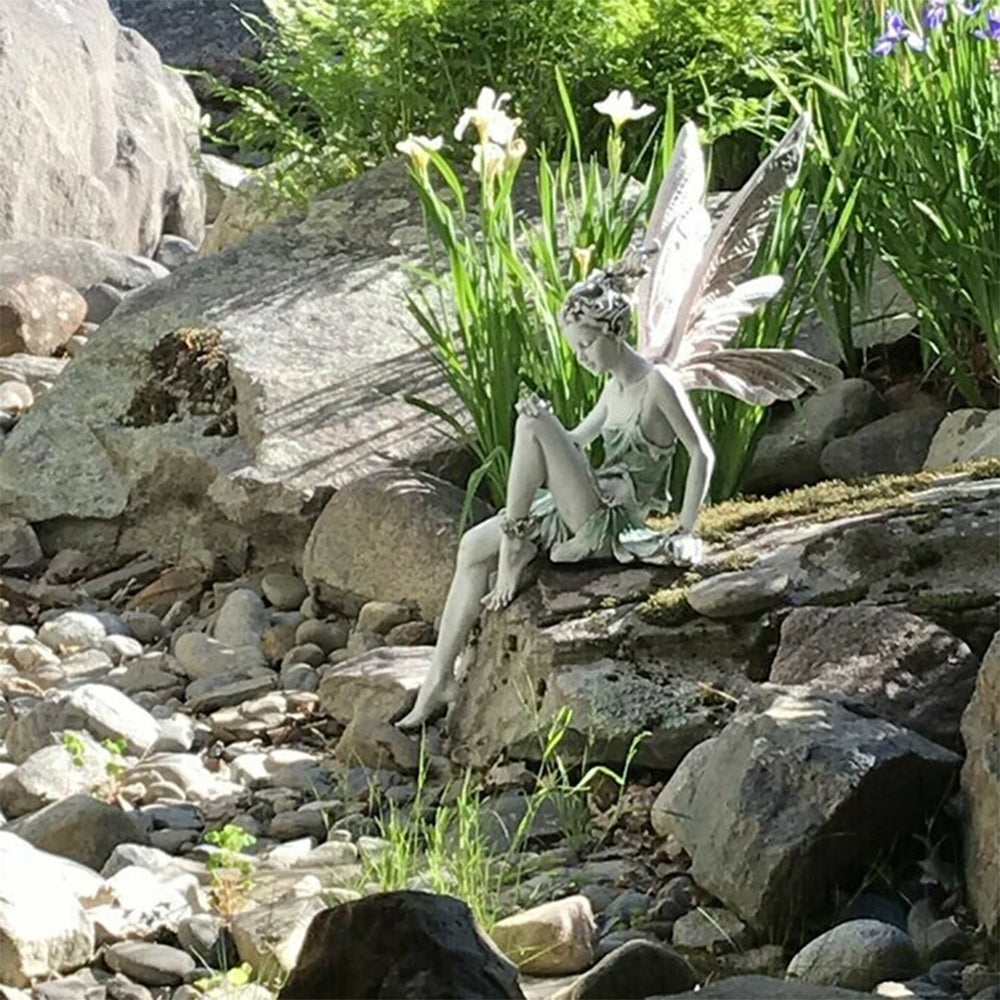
column 620, row 108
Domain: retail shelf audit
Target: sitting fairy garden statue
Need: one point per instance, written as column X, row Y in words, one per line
column 690, row 303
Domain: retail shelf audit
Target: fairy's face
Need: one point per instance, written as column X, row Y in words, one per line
column 596, row 351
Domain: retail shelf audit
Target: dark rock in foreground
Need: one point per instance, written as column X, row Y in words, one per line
column 399, row 944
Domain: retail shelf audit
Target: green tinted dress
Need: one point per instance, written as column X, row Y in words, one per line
column 632, row 483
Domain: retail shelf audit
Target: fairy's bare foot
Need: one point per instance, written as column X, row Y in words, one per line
column 430, row 703
column 515, row 554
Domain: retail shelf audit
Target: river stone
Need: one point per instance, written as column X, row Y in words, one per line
column 220, row 176
column 38, row 313
column 292, row 417
column 379, row 617
column 16, row 398
column 635, row 969
column 136, row 120
column 858, row 954
column 270, row 937
column 710, row 929
column 73, row 630
column 350, row 548
column 285, row 591
column 789, row 451
column 400, row 944
column 81, row 263
column 43, row 927
column 174, row 251
column 981, row 791
column 19, row 548
column 242, row 619
column 379, row 685
column 759, row 808
column 229, row 688
column 50, row 774
column 151, row 964
column 768, row 988
column 731, row 595
column 186, row 771
column 201, row 656
column 902, row 667
column 965, row 435
column 81, row 828
column 896, row 443
column 552, row 939
column 96, row 708
column 102, row 300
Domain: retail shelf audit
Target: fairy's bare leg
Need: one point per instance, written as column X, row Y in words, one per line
column 544, row 454
column 477, row 555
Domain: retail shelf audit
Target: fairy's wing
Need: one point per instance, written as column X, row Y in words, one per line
column 679, row 225
column 716, row 298
column 757, row 375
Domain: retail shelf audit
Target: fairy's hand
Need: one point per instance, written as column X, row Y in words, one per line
column 533, row 406
column 685, row 548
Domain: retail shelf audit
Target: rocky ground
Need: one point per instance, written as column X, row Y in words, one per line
column 225, row 538
column 153, row 716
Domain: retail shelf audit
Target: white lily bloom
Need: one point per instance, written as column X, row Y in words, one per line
column 620, row 108
column 490, row 120
column 488, row 160
column 417, row 147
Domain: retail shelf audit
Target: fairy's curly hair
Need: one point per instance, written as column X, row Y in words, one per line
column 603, row 301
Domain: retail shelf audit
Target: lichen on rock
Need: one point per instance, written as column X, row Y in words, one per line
column 190, row 378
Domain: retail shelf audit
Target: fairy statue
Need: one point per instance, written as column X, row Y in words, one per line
column 690, row 303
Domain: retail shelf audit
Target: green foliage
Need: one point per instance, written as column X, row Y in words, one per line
column 445, row 848
column 490, row 313
column 231, row 873
column 344, row 79
column 911, row 142
column 75, row 747
column 233, row 978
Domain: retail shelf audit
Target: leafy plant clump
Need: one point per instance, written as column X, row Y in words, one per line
column 906, row 115
column 343, row 79
column 444, row 844
column 231, row 872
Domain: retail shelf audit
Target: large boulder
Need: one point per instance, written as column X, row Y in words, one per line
column 200, row 35
column 390, row 536
column 579, row 652
column 399, row 944
column 628, row 650
column 901, row 666
column 116, row 131
column 218, row 408
column 792, row 801
column 981, row 791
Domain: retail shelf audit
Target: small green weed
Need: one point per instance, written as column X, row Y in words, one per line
column 231, row 872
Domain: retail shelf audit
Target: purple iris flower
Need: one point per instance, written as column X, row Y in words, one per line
column 992, row 31
column 895, row 32
column 935, row 14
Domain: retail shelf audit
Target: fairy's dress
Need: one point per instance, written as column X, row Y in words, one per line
column 632, row 483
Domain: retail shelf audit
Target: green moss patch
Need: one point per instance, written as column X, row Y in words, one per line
column 829, row 500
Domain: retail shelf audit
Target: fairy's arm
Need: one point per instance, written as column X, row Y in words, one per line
column 676, row 407
column 588, row 428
